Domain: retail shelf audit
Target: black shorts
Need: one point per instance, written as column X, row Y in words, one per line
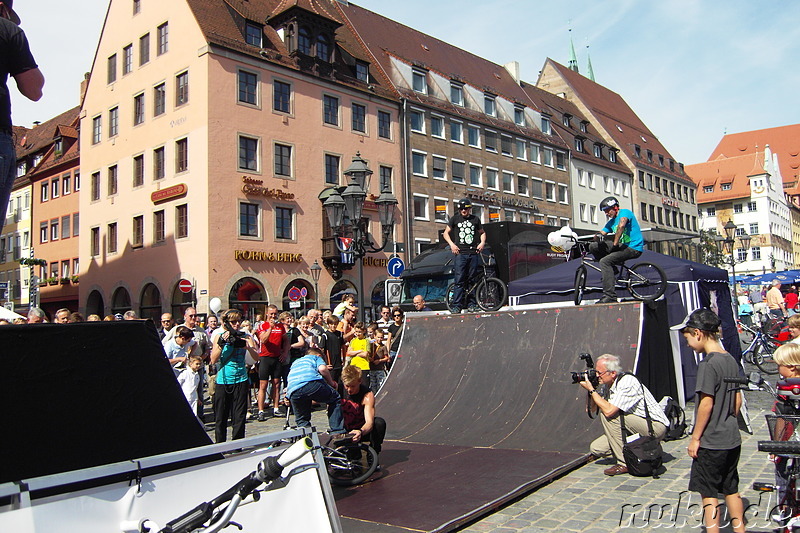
column 714, row 472
column 269, row 368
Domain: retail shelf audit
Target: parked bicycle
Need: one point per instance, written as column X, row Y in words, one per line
column 644, row 281
column 760, row 350
column 490, row 292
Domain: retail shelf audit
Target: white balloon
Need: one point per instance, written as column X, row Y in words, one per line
column 215, row 304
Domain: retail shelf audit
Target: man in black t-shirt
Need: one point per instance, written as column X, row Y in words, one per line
column 464, row 233
column 17, row 61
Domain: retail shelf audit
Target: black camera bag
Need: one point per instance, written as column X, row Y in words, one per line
column 643, row 455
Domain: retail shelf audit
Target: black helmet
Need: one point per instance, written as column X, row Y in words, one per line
column 464, row 203
column 608, row 203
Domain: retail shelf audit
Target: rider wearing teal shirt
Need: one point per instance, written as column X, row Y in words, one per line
column 627, row 244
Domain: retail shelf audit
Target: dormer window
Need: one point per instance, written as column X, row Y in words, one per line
column 565, row 119
column 637, row 150
column 726, row 186
column 323, row 48
column 612, row 156
column 708, row 189
column 650, row 156
column 519, row 116
column 253, row 34
column 419, row 81
column 457, row 94
column 578, row 144
column 362, row 71
column 661, row 160
column 546, row 129
column 584, row 126
column 490, row 105
column 304, row 42
column 58, row 146
column 598, row 151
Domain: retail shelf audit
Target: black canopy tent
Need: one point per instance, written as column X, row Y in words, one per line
column 690, row 286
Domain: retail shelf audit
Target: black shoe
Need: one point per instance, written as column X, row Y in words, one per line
column 263, row 415
column 606, row 300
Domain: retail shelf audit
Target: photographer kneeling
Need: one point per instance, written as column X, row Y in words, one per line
column 626, row 394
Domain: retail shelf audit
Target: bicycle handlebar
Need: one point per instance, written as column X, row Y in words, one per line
column 738, row 380
column 268, row 470
column 790, row 447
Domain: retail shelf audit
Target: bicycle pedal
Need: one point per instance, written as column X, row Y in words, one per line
column 763, row 487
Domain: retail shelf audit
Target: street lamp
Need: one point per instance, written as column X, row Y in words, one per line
column 344, row 208
column 316, row 270
column 728, row 246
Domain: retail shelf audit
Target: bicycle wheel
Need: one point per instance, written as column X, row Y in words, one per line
column 762, row 358
column 646, row 281
column 351, row 465
column 491, row 294
column 448, row 296
column 580, row 284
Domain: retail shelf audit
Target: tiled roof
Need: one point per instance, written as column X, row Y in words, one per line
column 41, row 136
column 319, row 7
column 619, row 120
column 782, row 140
column 726, row 170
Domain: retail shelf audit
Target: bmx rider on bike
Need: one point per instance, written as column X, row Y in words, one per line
column 627, row 244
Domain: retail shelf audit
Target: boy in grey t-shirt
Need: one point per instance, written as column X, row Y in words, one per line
column 715, row 443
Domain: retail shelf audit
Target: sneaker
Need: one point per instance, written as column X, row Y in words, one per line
column 606, row 300
column 262, row 415
column 616, row 470
column 280, row 412
column 455, row 311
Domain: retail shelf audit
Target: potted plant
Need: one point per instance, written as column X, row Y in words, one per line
column 52, row 281
column 75, row 279
column 65, row 281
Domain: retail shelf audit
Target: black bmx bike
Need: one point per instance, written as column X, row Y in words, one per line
column 644, row 281
column 490, row 292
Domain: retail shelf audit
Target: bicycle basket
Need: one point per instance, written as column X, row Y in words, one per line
column 783, row 427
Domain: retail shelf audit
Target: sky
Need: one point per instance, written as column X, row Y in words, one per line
column 692, row 70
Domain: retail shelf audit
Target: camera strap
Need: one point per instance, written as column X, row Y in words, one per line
column 646, row 410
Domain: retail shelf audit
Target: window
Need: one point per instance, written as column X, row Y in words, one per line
column 741, row 254
column 55, row 188
column 159, row 99
column 303, row 41
column 751, row 206
column 756, row 253
column 159, row 163
column 490, row 105
column 475, row 176
column 652, row 213
column 419, row 163
column 521, row 147
column 332, row 169
column 546, row 129
column 323, row 48
column 182, row 155
column 77, row 185
column 417, row 119
column 474, row 136
column 737, row 208
column 384, row 125
column 112, row 180
column 457, row 94
column 440, row 210
column 159, row 227
column 112, row 238
column 658, row 185
column 181, row 221
column 113, row 122
column 563, row 196
column 95, row 193
column 330, row 106
column 726, row 186
column 359, row 117
column 457, row 169
column 94, row 247
column 137, row 236
column 163, row 38
column 138, row 109
column 456, row 132
column 97, row 129
column 608, row 185
column 578, row 144
column 508, row 182
column 708, row 189
column 583, row 212
column 419, row 81
column 519, row 116
column 248, row 88
column 284, row 227
column 494, row 214
column 561, row 161
column 522, row 185
column 65, row 188
column 612, row 156
column 249, row 220
column 420, row 207
column 437, row 126
column 362, row 71
column 491, row 141
column 643, row 211
column 137, row 8
column 547, row 157
column 181, row 89
column 144, row 49
column 253, row 34
column 65, row 227
column 138, row 170
column 54, row 230
column 536, row 188
column 112, row 68
column 127, row 59
column 491, row 178
column 535, row 153
column 385, row 174
column 550, row 191
column 42, row 234
column 439, row 168
column 248, row 153
column 505, row 145
column 283, row 160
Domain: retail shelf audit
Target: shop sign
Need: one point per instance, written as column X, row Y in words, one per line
column 162, row 195
column 275, row 257
column 670, row 202
column 376, row 262
column 255, row 187
column 496, row 199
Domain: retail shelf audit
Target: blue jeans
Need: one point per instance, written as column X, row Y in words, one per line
column 8, row 169
column 608, row 260
column 465, row 268
column 321, row 392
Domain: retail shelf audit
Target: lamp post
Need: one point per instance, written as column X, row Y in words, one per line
column 728, row 245
column 316, row 270
column 344, row 208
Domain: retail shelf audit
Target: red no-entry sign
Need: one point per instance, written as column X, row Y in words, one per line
column 185, row 285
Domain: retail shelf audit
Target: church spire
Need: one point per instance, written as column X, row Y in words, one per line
column 573, row 58
column 590, row 71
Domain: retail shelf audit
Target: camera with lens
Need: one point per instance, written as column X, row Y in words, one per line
column 235, row 337
column 590, row 374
